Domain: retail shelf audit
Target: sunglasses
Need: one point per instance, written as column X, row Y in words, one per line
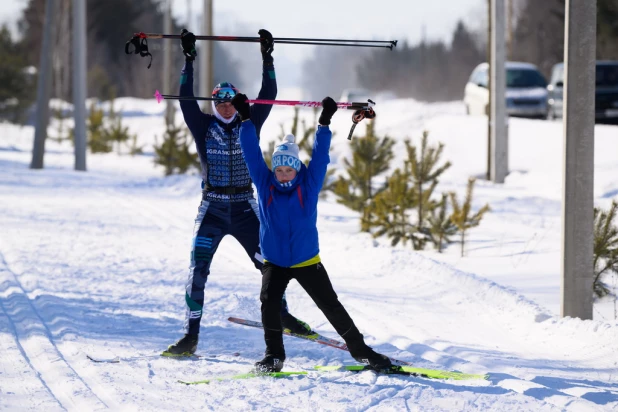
column 224, row 93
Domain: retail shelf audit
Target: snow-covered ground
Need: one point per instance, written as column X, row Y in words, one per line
column 95, row 263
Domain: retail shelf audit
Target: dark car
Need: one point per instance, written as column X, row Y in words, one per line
column 606, row 93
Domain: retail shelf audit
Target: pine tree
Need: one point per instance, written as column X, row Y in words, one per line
column 605, row 247
column 62, row 132
column 389, row 209
column 425, row 173
column 134, row 149
column 174, row 153
column 116, row 132
column 98, row 141
column 371, row 156
column 461, row 213
column 441, row 226
column 16, row 88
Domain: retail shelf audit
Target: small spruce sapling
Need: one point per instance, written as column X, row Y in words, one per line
column 605, row 256
column 461, row 216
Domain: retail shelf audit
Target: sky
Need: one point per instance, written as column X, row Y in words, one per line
column 362, row 19
column 388, row 19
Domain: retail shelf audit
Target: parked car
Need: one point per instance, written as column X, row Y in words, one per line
column 526, row 91
column 606, row 93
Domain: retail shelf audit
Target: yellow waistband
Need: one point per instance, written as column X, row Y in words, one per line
column 312, row 261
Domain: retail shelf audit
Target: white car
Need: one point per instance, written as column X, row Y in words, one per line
column 526, row 91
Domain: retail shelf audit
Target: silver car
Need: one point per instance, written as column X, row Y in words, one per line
column 526, row 91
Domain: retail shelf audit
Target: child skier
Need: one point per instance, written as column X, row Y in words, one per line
column 288, row 197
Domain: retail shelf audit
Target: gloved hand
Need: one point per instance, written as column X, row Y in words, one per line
column 329, row 107
column 242, row 107
column 267, row 45
column 187, row 39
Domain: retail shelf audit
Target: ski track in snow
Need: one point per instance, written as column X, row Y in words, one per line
column 37, row 346
column 104, row 272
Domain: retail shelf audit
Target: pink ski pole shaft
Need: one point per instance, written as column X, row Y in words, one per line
column 342, row 105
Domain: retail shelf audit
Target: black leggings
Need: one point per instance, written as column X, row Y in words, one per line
column 314, row 280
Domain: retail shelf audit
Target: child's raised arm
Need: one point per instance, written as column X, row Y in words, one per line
column 321, row 147
column 249, row 143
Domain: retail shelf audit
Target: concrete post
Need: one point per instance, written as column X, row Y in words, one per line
column 499, row 136
column 79, row 82
column 205, row 54
column 578, row 166
column 167, row 58
column 43, row 87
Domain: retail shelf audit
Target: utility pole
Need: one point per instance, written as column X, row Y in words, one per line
column 79, row 82
column 167, row 59
column 189, row 15
column 489, row 60
column 498, row 124
column 43, row 87
column 578, row 166
column 206, row 50
column 509, row 30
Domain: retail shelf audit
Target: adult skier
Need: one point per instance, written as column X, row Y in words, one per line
column 288, row 198
column 228, row 206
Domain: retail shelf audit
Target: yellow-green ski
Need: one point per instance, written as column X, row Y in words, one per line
column 405, row 370
column 248, row 375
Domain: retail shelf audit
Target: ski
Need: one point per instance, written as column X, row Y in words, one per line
column 104, row 360
column 314, row 337
column 397, row 370
column 118, row 359
column 405, row 370
column 247, row 375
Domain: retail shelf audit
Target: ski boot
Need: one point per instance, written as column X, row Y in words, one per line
column 269, row 364
column 186, row 346
column 296, row 326
column 375, row 360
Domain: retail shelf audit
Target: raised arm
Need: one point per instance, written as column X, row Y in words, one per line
column 195, row 119
column 250, row 144
column 320, row 158
column 260, row 112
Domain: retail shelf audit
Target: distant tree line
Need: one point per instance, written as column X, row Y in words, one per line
column 111, row 73
column 428, row 71
column 539, row 33
column 438, row 71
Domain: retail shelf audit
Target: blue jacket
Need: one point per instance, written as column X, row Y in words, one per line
column 288, row 212
column 217, row 143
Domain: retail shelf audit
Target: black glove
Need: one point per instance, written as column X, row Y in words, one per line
column 242, row 107
column 267, row 45
column 329, row 107
column 187, row 39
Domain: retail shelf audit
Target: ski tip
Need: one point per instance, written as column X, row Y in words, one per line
column 158, row 96
column 98, row 360
column 185, row 355
column 193, row 383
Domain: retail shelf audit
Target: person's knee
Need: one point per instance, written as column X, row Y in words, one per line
column 269, row 298
column 331, row 304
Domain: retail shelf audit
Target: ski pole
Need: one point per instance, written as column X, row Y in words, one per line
column 283, row 40
column 299, row 103
column 363, row 110
column 140, row 43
